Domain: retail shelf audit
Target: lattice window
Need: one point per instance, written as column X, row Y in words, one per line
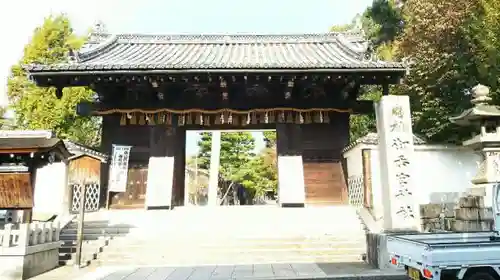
column 92, row 197
column 356, row 191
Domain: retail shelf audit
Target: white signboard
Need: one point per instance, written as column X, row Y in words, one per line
column 118, row 169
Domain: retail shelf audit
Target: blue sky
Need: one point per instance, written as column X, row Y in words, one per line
column 19, row 18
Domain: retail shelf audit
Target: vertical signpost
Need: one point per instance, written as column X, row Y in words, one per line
column 81, row 214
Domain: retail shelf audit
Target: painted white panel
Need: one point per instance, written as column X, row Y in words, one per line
column 160, row 181
column 291, row 187
column 354, row 161
column 51, row 191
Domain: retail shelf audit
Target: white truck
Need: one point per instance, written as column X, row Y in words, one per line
column 450, row 256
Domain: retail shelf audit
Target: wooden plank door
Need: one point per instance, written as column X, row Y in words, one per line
column 135, row 194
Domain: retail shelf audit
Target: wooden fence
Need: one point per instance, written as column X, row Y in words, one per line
column 25, row 235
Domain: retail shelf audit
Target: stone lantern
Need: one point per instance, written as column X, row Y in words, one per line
column 486, row 117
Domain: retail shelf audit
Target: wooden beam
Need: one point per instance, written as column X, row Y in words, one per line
column 19, row 151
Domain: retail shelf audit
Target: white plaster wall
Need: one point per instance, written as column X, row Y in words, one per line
column 51, row 192
column 354, row 161
column 440, row 173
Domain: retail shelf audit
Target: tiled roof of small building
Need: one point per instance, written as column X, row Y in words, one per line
column 13, row 143
column 106, row 52
column 78, row 149
column 372, row 139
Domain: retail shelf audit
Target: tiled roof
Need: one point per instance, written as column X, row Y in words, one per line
column 372, row 139
column 13, row 143
column 330, row 51
column 78, row 150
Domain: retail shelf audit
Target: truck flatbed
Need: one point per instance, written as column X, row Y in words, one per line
column 431, row 253
column 445, row 249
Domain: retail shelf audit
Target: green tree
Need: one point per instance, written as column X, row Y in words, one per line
column 453, row 45
column 380, row 34
column 360, row 125
column 270, row 139
column 239, row 164
column 259, row 174
column 236, row 151
column 39, row 108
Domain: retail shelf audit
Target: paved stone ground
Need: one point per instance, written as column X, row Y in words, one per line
column 223, row 272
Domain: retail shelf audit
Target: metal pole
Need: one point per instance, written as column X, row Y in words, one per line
column 79, row 235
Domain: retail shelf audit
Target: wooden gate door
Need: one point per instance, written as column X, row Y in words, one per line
column 135, row 194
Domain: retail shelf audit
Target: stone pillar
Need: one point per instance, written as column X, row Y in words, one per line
column 213, row 183
column 401, row 210
column 291, row 187
column 161, row 167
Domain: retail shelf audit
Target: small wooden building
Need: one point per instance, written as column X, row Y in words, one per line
column 85, row 165
column 22, row 154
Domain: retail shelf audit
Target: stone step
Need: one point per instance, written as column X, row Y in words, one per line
column 102, row 231
column 196, row 252
column 86, row 247
column 236, row 251
column 90, row 251
column 73, row 237
column 128, row 240
column 97, row 224
column 247, row 233
column 221, row 260
column 247, row 246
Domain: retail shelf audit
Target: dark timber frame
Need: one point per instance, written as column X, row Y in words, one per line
column 151, row 88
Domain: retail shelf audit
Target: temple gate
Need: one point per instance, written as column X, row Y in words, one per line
column 150, row 89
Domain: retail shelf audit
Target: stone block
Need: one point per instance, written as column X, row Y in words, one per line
column 437, row 224
column 448, row 223
column 436, row 210
column 430, row 211
column 431, row 225
column 471, row 202
column 467, row 214
column 449, row 210
column 465, row 226
column 486, row 214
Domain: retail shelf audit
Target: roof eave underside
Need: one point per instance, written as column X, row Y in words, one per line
column 34, row 72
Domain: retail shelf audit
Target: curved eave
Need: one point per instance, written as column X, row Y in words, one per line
column 114, row 70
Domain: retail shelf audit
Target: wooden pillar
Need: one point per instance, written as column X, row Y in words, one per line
column 179, row 167
column 162, row 154
column 110, row 124
column 291, row 192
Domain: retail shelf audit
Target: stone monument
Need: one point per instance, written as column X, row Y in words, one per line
column 401, row 212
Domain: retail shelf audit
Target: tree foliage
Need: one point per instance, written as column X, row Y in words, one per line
column 270, row 139
column 238, row 163
column 451, row 45
column 38, row 108
column 236, row 151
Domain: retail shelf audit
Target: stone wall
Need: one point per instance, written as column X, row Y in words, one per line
column 27, row 250
column 468, row 214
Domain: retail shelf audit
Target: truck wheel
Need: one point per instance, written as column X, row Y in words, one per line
column 480, row 275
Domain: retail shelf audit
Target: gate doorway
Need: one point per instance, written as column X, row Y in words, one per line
column 247, row 170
